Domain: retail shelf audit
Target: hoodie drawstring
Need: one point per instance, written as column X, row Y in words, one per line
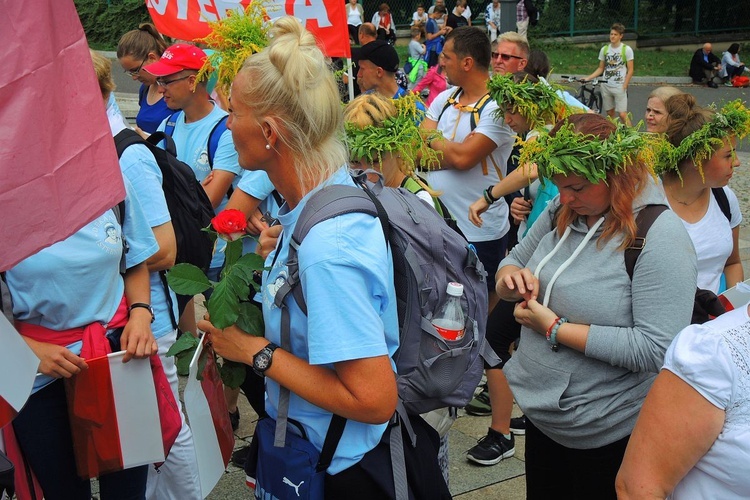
column 564, row 266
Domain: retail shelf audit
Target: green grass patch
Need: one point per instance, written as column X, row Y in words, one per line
column 574, row 60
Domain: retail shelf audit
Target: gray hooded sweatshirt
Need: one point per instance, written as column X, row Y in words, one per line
column 588, row 400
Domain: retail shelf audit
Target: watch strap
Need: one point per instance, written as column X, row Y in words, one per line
column 143, row 305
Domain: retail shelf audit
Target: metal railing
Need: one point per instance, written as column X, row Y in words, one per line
column 647, row 18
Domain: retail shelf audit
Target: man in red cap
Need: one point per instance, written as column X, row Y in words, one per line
column 190, row 128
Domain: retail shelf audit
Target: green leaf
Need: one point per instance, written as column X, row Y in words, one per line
column 238, row 286
column 232, row 253
column 187, row 279
column 250, row 319
column 223, row 306
column 184, row 342
column 252, row 261
column 182, row 362
column 232, row 373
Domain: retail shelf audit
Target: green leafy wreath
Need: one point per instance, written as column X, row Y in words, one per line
column 400, row 135
column 538, row 103
column 588, row 156
column 732, row 120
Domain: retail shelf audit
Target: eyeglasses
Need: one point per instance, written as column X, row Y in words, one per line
column 505, row 57
column 165, row 84
column 135, row 72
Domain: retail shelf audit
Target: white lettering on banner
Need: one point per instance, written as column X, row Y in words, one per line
column 304, row 10
column 160, row 6
column 219, row 8
column 210, row 10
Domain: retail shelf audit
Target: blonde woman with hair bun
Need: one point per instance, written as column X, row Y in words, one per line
column 286, row 119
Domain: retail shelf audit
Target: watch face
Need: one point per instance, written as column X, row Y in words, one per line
column 262, row 361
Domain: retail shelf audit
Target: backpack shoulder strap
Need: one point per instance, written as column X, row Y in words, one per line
column 481, row 103
column 327, row 203
column 723, row 201
column 125, row 138
column 643, row 221
column 171, row 123
column 214, row 137
column 450, row 102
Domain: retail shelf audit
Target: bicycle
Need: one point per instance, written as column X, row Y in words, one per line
column 589, row 92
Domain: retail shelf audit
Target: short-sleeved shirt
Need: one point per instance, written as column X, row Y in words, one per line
column 139, row 167
column 713, row 359
column 455, row 21
column 461, row 188
column 346, row 273
column 77, row 281
column 191, row 141
column 713, row 240
column 150, row 115
column 257, row 184
column 416, row 49
column 615, row 66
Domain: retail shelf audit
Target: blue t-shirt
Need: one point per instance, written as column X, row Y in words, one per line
column 77, row 281
column 191, row 141
column 346, row 272
column 436, row 44
column 257, row 184
column 139, row 167
column 150, row 115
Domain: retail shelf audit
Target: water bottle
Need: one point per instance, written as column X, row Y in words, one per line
column 449, row 318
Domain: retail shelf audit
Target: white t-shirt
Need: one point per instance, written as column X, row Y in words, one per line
column 354, row 17
column 713, row 242
column 461, row 188
column 416, row 18
column 615, row 68
column 713, row 359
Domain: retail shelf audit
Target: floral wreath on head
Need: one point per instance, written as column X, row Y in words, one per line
column 732, row 120
column 399, row 134
column 234, row 39
column 572, row 153
column 538, row 103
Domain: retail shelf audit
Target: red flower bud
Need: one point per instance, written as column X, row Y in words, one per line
column 230, row 224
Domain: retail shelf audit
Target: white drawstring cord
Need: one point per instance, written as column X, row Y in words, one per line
column 564, row 266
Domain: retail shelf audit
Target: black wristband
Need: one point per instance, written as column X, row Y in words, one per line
column 489, row 194
column 144, row 306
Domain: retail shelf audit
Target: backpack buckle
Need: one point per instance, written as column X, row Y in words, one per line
column 638, row 244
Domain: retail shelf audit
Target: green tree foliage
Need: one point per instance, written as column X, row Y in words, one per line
column 105, row 21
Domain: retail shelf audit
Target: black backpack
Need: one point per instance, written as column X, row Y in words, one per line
column 188, row 203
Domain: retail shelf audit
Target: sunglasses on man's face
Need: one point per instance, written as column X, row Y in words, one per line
column 505, row 57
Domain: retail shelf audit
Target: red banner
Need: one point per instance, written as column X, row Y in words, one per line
column 58, row 164
column 188, row 19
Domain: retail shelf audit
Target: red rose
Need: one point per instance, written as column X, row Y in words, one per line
column 230, row 224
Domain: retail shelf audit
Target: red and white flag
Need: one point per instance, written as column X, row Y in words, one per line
column 208, row 415
column 19, row 365
column 114, row 415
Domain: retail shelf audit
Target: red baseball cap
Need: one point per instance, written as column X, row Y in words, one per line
column 176, row 58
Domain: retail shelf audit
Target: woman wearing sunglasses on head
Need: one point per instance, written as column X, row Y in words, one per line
column 136, row 49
